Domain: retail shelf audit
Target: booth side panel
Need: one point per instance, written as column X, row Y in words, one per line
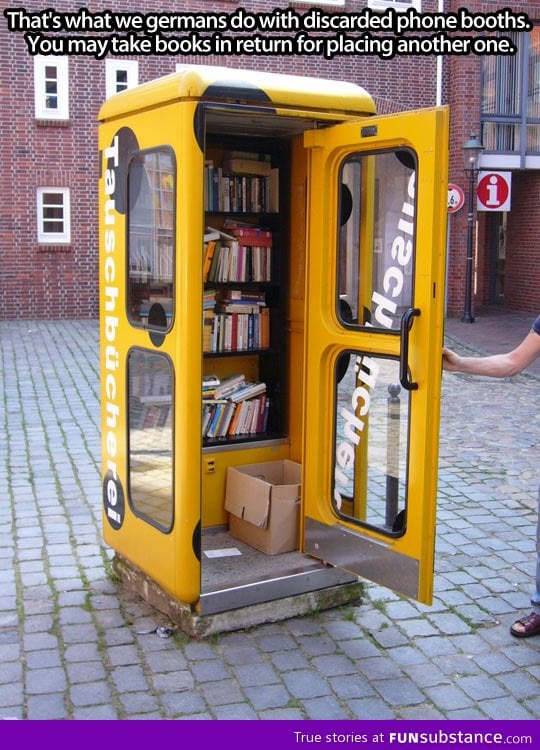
column 188, row 349
column 117, row 518
column 145, row 387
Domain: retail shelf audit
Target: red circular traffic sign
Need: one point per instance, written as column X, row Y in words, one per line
column 456, row 198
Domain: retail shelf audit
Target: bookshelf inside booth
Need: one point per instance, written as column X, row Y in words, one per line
column 244, row 281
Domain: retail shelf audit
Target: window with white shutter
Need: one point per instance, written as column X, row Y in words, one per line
column 120, row 75
column 51, row 87
column 53, row 215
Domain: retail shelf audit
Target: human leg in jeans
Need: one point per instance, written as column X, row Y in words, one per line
column 529, row 625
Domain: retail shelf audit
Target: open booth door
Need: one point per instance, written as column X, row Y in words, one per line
column 377, row 208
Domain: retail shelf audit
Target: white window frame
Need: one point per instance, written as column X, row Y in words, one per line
column 42, row 110
column 112, row 67
column 397, row 5
column 53, row 238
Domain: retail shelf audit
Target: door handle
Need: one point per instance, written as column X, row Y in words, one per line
column 407, row 320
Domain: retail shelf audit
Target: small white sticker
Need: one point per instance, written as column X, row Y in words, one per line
column 229, row 552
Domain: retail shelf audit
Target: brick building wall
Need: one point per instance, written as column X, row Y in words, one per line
column 43, row 281
column 522, row 273
column 522, row 263
column 61, row 281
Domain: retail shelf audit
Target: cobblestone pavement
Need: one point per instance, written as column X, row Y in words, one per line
column 73, row 646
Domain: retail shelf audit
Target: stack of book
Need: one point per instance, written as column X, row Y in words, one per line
column 209, row 385
column 241, row 255
column 235, row 320
column 233, row 407
column 244, row 183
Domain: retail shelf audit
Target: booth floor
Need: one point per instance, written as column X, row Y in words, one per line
column 232, row 562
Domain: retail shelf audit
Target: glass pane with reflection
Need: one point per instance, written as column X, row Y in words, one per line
column 150, row 395
column 376, row 242
column 371, row 427
column 151, row 219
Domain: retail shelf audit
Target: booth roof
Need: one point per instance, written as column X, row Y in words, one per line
column 209, row 83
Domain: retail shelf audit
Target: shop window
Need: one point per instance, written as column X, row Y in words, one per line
column 120, row 75
column 51, row 87
column 53, row 215
column 510, row 106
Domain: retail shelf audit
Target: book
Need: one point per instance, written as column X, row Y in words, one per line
column 220, row 233
column 224, row 424
column 245, row 307
column 265, row 328
column 212, row 271
column 228, row 420
column 252, row 233
column 236, row 328
column 209, row 299
column 249, row 390
column 234, row 262
column 247, row 166
column 230, row 384
column 253, row 155
column 210, row 381
column 209, row 385
column 214, row 419
column 209, row 250
column 233, row 407
column 236, row 295
column 205, row 420
column 241, row 191
column 235, row 223
column 272, row 205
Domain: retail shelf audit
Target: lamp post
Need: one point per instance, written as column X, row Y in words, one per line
column 471, row 155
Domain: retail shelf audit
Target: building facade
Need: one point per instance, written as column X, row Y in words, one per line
column 498, row 99
column 52, row 92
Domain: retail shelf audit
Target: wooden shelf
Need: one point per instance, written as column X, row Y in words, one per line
column 241, row 353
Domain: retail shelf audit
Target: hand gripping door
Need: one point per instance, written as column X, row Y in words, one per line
column 375, row 287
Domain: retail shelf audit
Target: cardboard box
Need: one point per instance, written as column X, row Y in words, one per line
column 263, row 501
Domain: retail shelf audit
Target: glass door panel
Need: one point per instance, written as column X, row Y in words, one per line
column 371, row 425
column 150, row 437
column 376, row 238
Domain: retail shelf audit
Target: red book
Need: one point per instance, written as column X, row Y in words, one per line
column 252, row 235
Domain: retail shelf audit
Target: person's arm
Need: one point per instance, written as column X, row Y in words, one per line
column 496, row 365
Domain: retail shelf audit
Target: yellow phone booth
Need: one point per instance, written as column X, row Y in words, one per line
column 272, row 284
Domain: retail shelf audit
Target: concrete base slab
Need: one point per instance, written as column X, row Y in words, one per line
column 202, row 626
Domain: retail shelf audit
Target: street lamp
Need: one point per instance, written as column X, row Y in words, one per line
column 471, row 155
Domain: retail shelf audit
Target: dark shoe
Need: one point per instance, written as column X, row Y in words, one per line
column 526, row 626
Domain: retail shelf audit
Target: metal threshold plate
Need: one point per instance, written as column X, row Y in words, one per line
column 230, row 581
